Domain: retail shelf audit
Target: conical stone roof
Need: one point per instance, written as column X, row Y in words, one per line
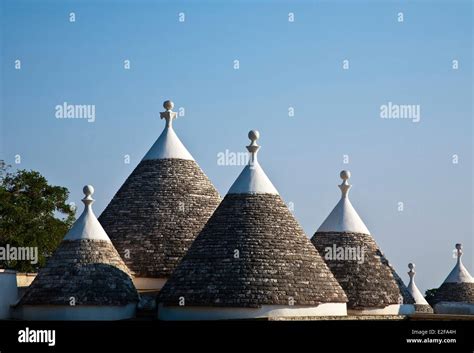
column 85, row 269
column 159, row 210
column 458, row 287
column 251, row 253
column 421, row 305
column 356, row 261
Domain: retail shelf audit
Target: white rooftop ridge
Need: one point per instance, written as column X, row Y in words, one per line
column 459, row 273
column 344, row 218
column 413, row 289
column 168, row 145
column 87, row 226
column 252, row 179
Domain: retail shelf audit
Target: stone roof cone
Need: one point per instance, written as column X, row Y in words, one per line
column 456, row 294
column 85, row 279
column 161, row 207
column 370, row 282
column 252, row 259
column 421, row 305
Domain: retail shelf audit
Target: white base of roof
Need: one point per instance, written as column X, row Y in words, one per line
column 179, row 313
column 457, row 308
column 394, row 309
column 148, row 283
column 75, row 313
column 8, row 293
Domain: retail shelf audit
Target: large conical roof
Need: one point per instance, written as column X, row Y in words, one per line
column 458, row 286
column 355, row 259
column 252, row 253
column 159, row 210
column 85, row 267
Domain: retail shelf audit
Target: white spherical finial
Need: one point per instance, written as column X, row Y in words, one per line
column 168, row 105
column 459, row 250
column 345, row 174
column 411, row 266
column 88, row 190
column 254, row 135
column 253, row 147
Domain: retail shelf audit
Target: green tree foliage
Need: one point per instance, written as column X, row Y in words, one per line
column 32, row 214
column 429, row 295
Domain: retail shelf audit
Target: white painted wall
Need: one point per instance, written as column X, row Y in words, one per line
column 78, row 312
column 179, row 313
column 394, row 309
column 149, row 284
column 8, row 293
column 455, row 308
column 24, row 279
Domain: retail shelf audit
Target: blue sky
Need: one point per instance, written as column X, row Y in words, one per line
column 282, row 64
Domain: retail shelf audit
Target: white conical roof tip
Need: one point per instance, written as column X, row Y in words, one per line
column 252, row 179
column 413, row 289
column 87, row 226
column 344, row 218
column 168, row 145
column 459, row 274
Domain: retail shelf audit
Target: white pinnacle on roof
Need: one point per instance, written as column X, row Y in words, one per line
column 413, row 289
column 168, row 145
column 253, row 180
column 87, row 226
column 344, row 217
column 459, row 274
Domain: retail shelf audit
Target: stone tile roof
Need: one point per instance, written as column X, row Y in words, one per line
column 252, row 252
column 423, row 308
column 157, row 213
column 90, row 271
column 455, row 292
column 372, row 283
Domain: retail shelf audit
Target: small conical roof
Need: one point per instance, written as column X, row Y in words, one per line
column 85, row 267
column 459, row 285
column 344, row 218
column 251, row 253
column 413, row 289
column 87, row 226
column 459, row 274
column 355, row 259
column 161, row 207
